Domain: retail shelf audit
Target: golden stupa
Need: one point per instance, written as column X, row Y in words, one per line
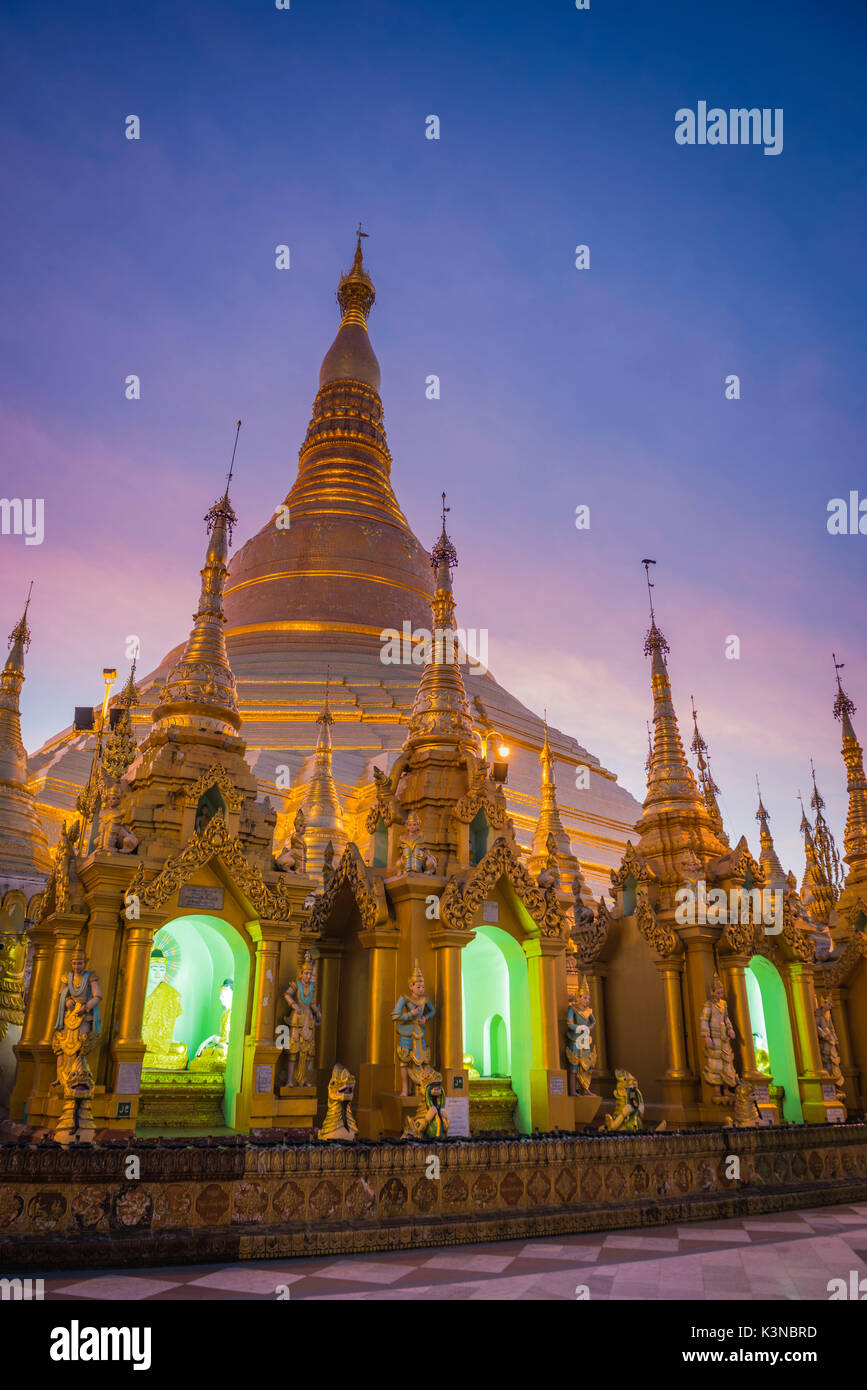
column 313, row 590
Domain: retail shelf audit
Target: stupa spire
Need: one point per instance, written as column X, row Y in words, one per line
column 855, row 834
column 775, row 875
column 322, row 809
column 13, row 758
column 441, row 711
column 827, row 856
column 817, row 893
column 120, row 748
column 709, row 787
column 23, row 846
column 200, row 691
column 549, row 822
column 670, row 777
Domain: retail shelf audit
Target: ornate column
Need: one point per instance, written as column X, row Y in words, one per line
column 377, row 1074
column 840, row 1015
column 812, row 1079
column 670, row 969
column 127, row 1046
column 447, row 945
column 551, row 1105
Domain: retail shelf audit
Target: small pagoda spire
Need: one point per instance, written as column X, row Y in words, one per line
column 855, row 834
column 13, row 758
column 670, row 775
column 817, row 893
column 322, row 810
column 709, row 788
column 549, row 823
column 200, row 691
column 441, row 713
column 120, row 748
column 775, row 874
column 23, row 845
column 826, row 850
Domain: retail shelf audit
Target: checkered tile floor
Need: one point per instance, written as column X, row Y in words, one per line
column 787, row 1256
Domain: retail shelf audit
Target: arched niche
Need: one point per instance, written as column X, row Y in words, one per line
column 204, row 951
column 771, row 1024
column 495, row 984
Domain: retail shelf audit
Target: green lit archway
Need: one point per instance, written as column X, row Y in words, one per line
column 769, row 1016
column 206, row 952
column 496, row 1011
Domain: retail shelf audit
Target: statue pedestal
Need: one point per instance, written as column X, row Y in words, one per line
column 585, row 1108
column 396, row 1110
column 296, row 1107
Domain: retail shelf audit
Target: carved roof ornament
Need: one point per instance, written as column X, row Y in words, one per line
column 836, row 972
column 479, row 797
column 632, row 864
column 590, row 934
column 461, row 901
column 658, row 937
column 214, row 842
column 119, row 752
column 738, row 864
column 385, row 807
column 215, row 776
column 60, row 895
column 798, row 937
column 366, row 889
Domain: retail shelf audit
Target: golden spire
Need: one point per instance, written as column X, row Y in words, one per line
column 322, row 809
column 708, row 785
column 549, row 822
column 351, row 357
column 818, row 893
column 855, row 834
column 775, row 875
column 120, row 748
column 23, row 845
column 670, row 778
column 441, row 713
column 13, row 758
column 200, row 691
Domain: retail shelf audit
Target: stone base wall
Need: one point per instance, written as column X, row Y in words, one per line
column 202, row 1201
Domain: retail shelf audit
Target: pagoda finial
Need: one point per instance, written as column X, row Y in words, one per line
column 855, row 834
column 356, row 294
column 654, row 641
column 440, row 712
column 19, row 637
column 775, row 876
column 187, row 698
column 670, row 774
column 709, row 787
column 321, row 805
column 21, row 833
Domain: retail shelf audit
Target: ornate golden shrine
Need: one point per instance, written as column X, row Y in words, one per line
column 172, row 834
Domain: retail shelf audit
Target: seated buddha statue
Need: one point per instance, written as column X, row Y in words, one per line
column 162, row 1009
column 212, row 1053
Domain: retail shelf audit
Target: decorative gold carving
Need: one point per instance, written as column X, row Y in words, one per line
column 658, row 937
column 385, row 807
column 591, row 933
column 478, row 798
column 631, row 863
column 460, row 902
column 215, row 776
column 797, row 938
column 367, row 890
column 214, row 842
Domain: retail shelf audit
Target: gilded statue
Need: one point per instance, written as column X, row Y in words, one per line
column 293, row 856
column 13, row 955
column 580, row 1047
column 82, row 986
column 162, row 1009
column 73, row 1038
column 411, row 1014
column 829, row 1044
column 717, row 1035
column 628, row 1104
column 304, row 1018
column 339, row 1122
column 111, row 835
column 430, row 1120
column 414, row 858
column 211, row 1055
column 746, row 1110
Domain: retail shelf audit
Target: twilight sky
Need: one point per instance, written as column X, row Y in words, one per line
column 560, row 387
